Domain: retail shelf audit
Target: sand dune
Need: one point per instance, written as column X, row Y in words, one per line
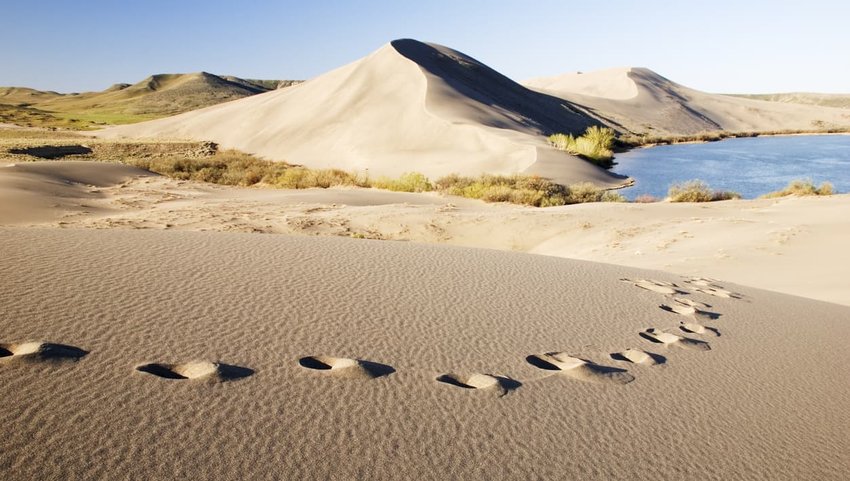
column 639, row 100
column 756, row 243
column 409, row 106
column 456, row 326
column 36, row 192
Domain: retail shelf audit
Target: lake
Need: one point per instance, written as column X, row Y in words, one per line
column 750, row 166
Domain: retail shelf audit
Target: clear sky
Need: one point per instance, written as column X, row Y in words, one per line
column 721, row 46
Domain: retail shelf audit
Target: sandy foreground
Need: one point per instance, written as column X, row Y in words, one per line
column 163, row 348
column 791, row 245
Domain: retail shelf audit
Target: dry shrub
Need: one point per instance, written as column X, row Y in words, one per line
column 802, row 187
column 698, row 191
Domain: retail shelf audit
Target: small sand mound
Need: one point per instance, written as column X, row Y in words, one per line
column 691, row 303
column 637, row 356
column 718, row 292
column 213, row 371
column 694, row 328
column 689, row 311
column 480, row 381
column 41, row 351
column 660, row 287
column 580, row 369
column 345, row 367
column 660, row 337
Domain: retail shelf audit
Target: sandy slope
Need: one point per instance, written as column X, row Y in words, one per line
column 449, row 113
column 642, row 101
column 788, row 245
column 767, row 401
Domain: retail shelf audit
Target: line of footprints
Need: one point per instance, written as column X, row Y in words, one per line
column 693, row 313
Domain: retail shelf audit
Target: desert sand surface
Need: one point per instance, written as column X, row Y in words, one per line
column 130, row 354
column 639, row 100
column 451, row 114
column 791, row 245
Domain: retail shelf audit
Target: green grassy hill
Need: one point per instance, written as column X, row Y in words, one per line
column 154, row 97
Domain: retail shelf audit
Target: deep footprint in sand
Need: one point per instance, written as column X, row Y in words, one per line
column 660, row 337
column 206, row 370
column 689, row 311
column 695, row 328
column 690, row 303
column 480, row 381
column 638, row 356
column 719, row 292
column 710, row 287
column 660, row 287
column 346, row 367
column 40, row 351
column 580, row 369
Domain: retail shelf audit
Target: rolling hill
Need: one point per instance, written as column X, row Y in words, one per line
column 154, row 97
column 841, row 101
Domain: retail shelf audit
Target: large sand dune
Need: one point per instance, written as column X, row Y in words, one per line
column 169, row 355
column 409, row 106
column 641, row 101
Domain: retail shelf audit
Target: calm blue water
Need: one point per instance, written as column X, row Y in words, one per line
column 749, row 166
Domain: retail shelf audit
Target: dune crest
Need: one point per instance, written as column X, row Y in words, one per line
column 409, row 106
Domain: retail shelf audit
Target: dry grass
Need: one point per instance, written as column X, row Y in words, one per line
column 698, row 191
column 203, row 162
column 802, row 187
column 626, row 141
column 408, row 182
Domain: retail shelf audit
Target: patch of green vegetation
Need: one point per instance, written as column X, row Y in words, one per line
column 698, row 191
column 802, row 187
column 594, row 145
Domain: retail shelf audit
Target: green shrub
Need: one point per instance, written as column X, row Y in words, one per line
column 802, row 187
column 595, row 145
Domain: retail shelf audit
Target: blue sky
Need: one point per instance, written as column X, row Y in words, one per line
column 721, row 46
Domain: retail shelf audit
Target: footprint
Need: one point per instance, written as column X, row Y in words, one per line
column 694, row 328
column 690, row 302
column 40, row 351
column 701, row 281
column 689, row 311
column 480, row 381
column 637, row 356
column 660, row 287
column 212, row 371
column 660, row 337
column 719, row 292
column 710, row 287
column 345, row 367
column 579, row 368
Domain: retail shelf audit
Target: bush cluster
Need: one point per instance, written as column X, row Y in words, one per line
column 802, row 187
column 698, row 191
column 595, row 145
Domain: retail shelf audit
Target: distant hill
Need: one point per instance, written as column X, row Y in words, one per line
column 640, row 101
column 841, row 101
column 157, row 96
